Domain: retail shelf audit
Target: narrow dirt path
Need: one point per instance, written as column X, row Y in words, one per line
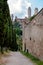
column 16, row 58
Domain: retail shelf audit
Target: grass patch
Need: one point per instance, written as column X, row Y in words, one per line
column 31, row 18
column 34, row 59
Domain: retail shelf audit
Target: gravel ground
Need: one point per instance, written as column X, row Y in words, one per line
column 16, row 58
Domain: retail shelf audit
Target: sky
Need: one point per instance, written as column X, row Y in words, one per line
column 19, row 8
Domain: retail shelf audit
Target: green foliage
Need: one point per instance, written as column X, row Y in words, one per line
column 14, row 45
column 18, row 30
column 34, row 59
column 32, row 17
column 7, row 34
column 1, row 24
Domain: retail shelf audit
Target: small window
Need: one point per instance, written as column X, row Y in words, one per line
column 30, row 38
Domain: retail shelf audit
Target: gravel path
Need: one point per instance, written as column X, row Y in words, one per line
column 16, row 58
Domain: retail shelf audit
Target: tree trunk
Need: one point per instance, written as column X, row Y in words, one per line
column 2, row 49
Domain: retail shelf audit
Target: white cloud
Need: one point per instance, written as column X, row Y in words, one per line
column 27, row 4
column 15, row 6
column 19, row 6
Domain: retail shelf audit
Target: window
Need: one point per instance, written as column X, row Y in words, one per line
column 30, row 38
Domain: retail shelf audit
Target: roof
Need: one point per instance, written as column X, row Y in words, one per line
column 31, row 18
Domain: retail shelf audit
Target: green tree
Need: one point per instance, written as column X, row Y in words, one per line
column 4, row 18
column 7, row 33
column 1, row 25
column 18, row 30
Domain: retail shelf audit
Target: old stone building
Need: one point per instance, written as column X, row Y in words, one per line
column 33, row 35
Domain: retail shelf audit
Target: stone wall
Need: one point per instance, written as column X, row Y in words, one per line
column 33, row 36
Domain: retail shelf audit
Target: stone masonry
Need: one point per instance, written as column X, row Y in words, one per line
column 33, row 34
